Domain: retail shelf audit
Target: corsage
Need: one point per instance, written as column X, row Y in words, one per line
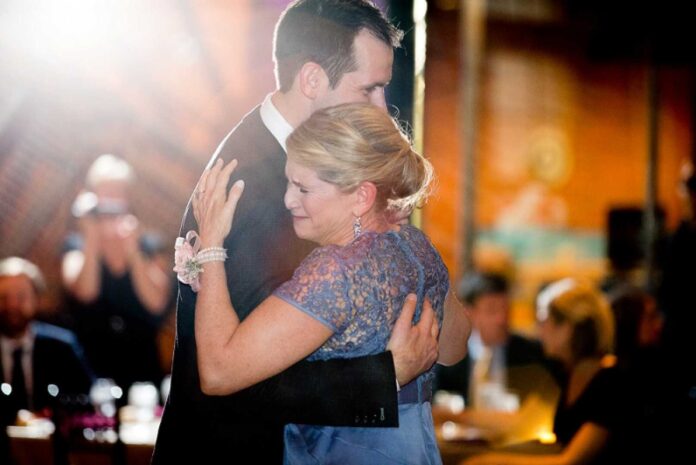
column 188, row 260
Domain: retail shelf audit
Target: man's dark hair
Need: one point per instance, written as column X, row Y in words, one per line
column 323, row 31
column 474, row 285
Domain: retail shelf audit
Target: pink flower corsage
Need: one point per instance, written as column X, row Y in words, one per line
column 188, row 260
column 186, row 266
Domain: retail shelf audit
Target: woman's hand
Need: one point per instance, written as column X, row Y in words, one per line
column 213, row 207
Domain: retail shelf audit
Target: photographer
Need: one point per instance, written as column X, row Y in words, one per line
column 118, row 286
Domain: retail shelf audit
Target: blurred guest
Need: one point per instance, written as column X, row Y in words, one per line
column 493, row 349
column 638, row 325
column 117, row 280
column 638, row 331
column 677, row 295
column 40, row 363
column 577, row 329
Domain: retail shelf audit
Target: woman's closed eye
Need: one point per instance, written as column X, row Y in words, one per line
column 302, row 189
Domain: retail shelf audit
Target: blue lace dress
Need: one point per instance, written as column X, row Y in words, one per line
column 358, row 290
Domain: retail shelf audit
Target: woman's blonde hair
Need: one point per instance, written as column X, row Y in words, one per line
column 585, row 308
column 17, row 266
column 357, row 142
column 108, row 167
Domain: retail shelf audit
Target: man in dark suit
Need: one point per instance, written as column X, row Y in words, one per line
column 39, row 363
column 496, row 355
column 327, row 52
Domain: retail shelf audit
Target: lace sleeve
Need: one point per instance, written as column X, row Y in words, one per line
column 319, row 288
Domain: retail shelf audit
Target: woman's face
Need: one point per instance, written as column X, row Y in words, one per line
column 555, row 338
column 320, row 212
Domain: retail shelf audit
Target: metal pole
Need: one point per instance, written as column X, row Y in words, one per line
column 649, row 214
column 420, row 8
column 472, row 22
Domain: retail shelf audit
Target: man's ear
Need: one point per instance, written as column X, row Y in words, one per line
column 312, row 80
column 365, row 196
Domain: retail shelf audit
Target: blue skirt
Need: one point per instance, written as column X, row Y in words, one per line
column 412, row 443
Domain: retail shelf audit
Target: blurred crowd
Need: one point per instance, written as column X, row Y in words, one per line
column 612, row 362
column 119, row 290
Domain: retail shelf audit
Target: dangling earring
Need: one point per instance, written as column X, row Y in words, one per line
column 357, row 227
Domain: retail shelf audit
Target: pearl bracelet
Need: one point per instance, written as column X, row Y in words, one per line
column 189, row 260
column 211, row 254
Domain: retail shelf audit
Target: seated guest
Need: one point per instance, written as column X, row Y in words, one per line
column 40, row 362
column 493, row 349
column 592, row 416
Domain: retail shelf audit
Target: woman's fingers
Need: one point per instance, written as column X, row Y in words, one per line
column 233, row 198
column 223, row 178
column 211, row 180
column 213, row 207
column 203, row 181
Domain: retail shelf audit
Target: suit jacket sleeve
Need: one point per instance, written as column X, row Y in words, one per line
column 340, row 392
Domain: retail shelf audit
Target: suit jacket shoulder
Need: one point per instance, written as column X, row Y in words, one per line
column 521, row 350
column 58, row 359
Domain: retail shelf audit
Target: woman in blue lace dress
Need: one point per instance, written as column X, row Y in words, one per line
column 349, row 169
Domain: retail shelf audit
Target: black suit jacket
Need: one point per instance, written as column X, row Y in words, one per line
column 520, row 353
column 263, row 251
column 57, row 359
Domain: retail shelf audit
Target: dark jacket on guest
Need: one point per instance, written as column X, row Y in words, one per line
column 57, row 359
column 520, row 354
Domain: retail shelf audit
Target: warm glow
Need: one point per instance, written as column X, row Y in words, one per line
column 546, row 437
column 69, row 29
column 74, row 37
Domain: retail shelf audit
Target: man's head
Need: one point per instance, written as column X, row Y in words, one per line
column 486, row 297
column 21, row 283
column 335, row 51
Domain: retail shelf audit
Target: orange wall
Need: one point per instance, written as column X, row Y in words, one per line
column 543, row 109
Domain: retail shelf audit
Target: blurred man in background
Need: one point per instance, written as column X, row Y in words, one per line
column 493, row 349
column 42, row 364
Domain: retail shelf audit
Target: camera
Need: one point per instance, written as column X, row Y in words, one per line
column 88, row 204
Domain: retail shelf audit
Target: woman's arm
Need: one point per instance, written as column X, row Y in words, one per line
column 233, row 356
column 80, row 269
column 454, row 335
column 150, row 282
column 582, row 449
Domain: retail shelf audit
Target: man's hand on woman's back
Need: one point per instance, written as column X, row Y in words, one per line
column 414, row 347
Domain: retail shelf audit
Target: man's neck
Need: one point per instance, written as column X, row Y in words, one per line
column 294, row 108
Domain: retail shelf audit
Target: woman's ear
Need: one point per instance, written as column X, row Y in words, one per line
column 312, row 80
column 365, row 196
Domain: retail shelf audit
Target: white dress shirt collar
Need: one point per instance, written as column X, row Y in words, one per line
column 475, row 344
column 498, row 360
column 8, row 346
column 275, row 122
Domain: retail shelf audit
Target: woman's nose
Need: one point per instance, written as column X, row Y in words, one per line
column 289, row 198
